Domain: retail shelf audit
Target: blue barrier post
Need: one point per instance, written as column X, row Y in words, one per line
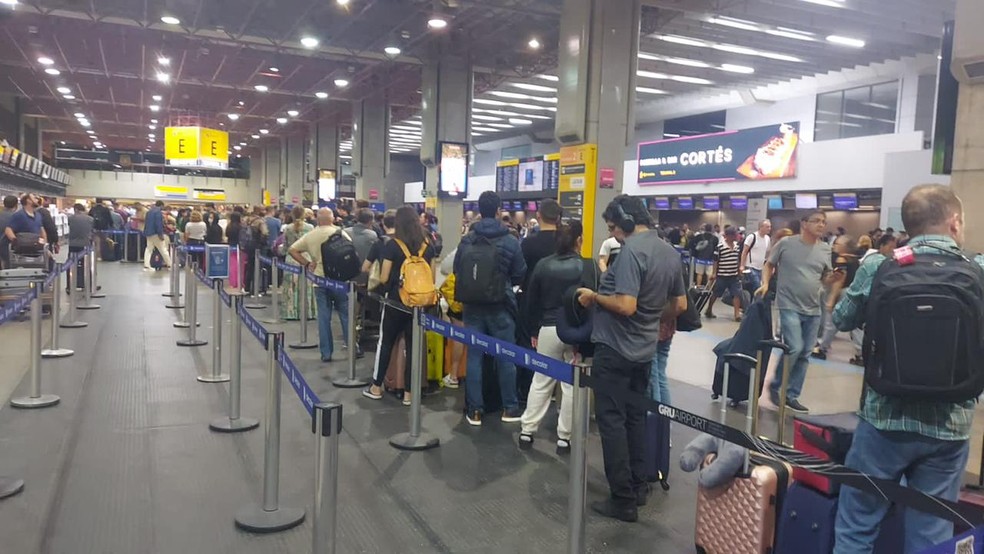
column 234, row 423
column 270, row 516
column 576, row 522
column 217, row 376
column 327, row 428
column 35, row 399
column 55, row 351
column 415, row 439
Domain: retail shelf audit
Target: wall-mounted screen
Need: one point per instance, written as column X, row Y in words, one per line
column 531, row 206
column 845, row 201
column 453, row 176
column 685, row 203
column 739, row 202
column 775, row 202
column 659, row 203
column 326, row 185
column 531, row 175
column 806, row 201
column 712, row 203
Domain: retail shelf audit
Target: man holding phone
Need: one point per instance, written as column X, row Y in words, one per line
column 803, row 263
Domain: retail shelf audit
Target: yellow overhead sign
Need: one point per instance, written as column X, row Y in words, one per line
column 578, row 171
column 172, row 192
column 196, row 147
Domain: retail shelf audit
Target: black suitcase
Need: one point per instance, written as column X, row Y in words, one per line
column 658, row 449
column 491, row 394
column 134, row 245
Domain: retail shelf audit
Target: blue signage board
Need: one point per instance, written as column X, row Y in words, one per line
column 659, row 203
column 739, row 202
column 685, row 203
column 845, row 201
column 747, row 155
column 217, row 261
column 712, row 203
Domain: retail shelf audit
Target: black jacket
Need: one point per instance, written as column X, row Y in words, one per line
column 552, row 277
column 48, row 223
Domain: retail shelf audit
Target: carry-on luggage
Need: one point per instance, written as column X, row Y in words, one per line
column 491, row 393
column 395, row 379
column 740, row 517
column 156, row 260
column 658, row 449
column 827, row 437
column 701, row 296
column 435, row 358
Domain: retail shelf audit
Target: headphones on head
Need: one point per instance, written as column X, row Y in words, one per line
column 626, row 222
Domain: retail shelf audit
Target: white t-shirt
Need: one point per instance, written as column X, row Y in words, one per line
column 756, row 256
column 610, row 245
column 196, row 230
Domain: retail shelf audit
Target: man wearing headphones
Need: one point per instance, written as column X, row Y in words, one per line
column 642, row 287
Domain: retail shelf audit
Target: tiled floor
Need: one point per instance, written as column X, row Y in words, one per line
column 126, row 463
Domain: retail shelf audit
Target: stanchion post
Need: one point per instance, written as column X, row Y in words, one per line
column 351, row 382
column 303, row 291
column 93, row 271
column 327, row 426
column 126, row 246
column 217, row 376
column 270, row 516
column 274, row 293
column 55, row 351
column 73, row 295
column 233, row 423
column 86, row 287
column 576, row 523
column 35, row 399
column 255, row 303
column 175, row 293
column 191, row 311
column 189, row 287
column 415, row 439
column 172, row 291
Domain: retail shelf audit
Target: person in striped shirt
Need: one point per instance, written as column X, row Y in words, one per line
column 726, row 273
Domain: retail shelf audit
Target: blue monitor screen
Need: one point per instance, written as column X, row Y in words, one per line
column 846, row 201
column 685, row 203
column 712, row 203
column 775, row 202
column 739, row 202
column 661, row 203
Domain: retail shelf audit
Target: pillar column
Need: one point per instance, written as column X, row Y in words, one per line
column 293, row 169
column 447, row 88
column 272, row 163
column 599, row 45
column 322, row 154
column 370, row 144
column 968, row 151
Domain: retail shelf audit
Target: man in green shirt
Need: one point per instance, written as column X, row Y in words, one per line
column 926, row 442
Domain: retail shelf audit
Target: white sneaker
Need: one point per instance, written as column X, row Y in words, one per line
column 450, row 381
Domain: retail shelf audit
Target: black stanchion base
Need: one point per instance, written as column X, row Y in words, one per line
column 403, row 441
column 226, row 425
column 168, row 295
column 347, row 383
column 189, row 342
column 27, row 402
column 254, row 306
column 88, row 307
column 57, row 353
column 184, row 324
column 10, row 486
column 220, row 378
column 303, row 345
column 175, row 305
column 73, row 324
column 270, row 321
column 255, row 519
column 97, row 295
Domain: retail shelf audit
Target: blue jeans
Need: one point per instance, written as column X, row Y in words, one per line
column 497, row 323
column 659, row 385
column 930, row 465
column 799, row 332
column 326, row 299
column 754, row 277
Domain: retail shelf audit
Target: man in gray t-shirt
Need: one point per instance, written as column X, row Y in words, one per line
column 643, row 286
column 803, row 263
column 80, row 227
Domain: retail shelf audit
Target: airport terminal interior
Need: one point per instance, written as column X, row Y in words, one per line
column 169, row 392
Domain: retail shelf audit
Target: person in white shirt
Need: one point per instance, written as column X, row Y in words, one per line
column 609, row 250
column 754, row 253
column 194, row 235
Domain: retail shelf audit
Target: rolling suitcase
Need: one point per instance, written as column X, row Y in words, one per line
column 741, row 516
column 491, row 393
column 827, row 437
column 658, row 449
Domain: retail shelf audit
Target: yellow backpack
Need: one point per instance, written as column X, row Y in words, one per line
column 417, row 287
column 447, row 291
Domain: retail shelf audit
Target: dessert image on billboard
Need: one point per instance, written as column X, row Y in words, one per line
column 775, row 159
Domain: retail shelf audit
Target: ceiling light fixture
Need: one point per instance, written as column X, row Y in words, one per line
column 293, row 113
column 79, row 115
column 342, row 2
column 170, row 20
column 91, row 132
column 261, row 88
column 164, row 60
column 274, row 69
column 846, row 41
column 69, row 97
column 281, row 120
column 255, row 136
column 64, row 90
column 534, row 44
column 652, row 75
column 321, row 95
column 43, row 60
column 85, row 123
column 517, row 121
column 163, row 77
column 691, row 80
column 828, row 3
column 682, row 40
column 151, row 135
column 437, row 22
column 790, row 33
column 734, row 23
column 780, row 57
column 242, row 143
column 648, row 90
column 52, row 71
column 152, row 127
column 546, row 77
column 264, row 131
column 532, row 87
column 9, row 2
column 152, row 140
column 241, row 103
column 157, row 97
column 735, row 49
column 392, row 50
column 686, row 62
column 341, row 83
column 309, row 42
column 153, row 121
column 733, row 68
column 233, row 116
column 154, row 108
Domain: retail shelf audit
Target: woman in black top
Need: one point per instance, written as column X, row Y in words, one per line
column 552, row 276
column 213, row 231
column 395, row 321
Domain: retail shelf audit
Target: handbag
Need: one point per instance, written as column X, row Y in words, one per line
column 27, row 244
column 575, row 324
column 689, row 320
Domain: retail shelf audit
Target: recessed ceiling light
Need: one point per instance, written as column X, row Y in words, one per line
column 241, row 103
column 437, row 22
column 274, row 69
column 157, row 97
column 43, row 60
column 239, row 155
column 321, row 95
column 152, row 140
column 652, row 75
column 736, row 49
column 264, row 131
column 341, row 83
column 293, row 113
column 164, row 60
column 261, row 88
column 85, row 123
column 828, row 3
column 281, row 120
column 91, row 132
column 237, row 147
column 233, row 116
column 255, row 136
column 152, row 127
column 151, row 135
column 69, row 97
column 64, row 90
column 242, row 144
column 153, row 121
column 392, row 50
column 79, row 115
column 163, row 77
column 846, row 41
column 342, row 2
column 309, row 42
column 154, row 107
column 52, row 71
column 737, row 68
column 170, row 20
column 534, row 44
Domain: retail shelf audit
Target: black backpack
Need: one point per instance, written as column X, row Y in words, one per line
column 924, row 329
column 339, row 258
column 480, row 279
column 704, row 246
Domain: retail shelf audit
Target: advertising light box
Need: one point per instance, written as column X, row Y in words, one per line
column 747, row 155
column 196, row 147
column 845, row 201
column 453, row 179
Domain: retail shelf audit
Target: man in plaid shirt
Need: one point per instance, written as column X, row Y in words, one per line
column 926, row 442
